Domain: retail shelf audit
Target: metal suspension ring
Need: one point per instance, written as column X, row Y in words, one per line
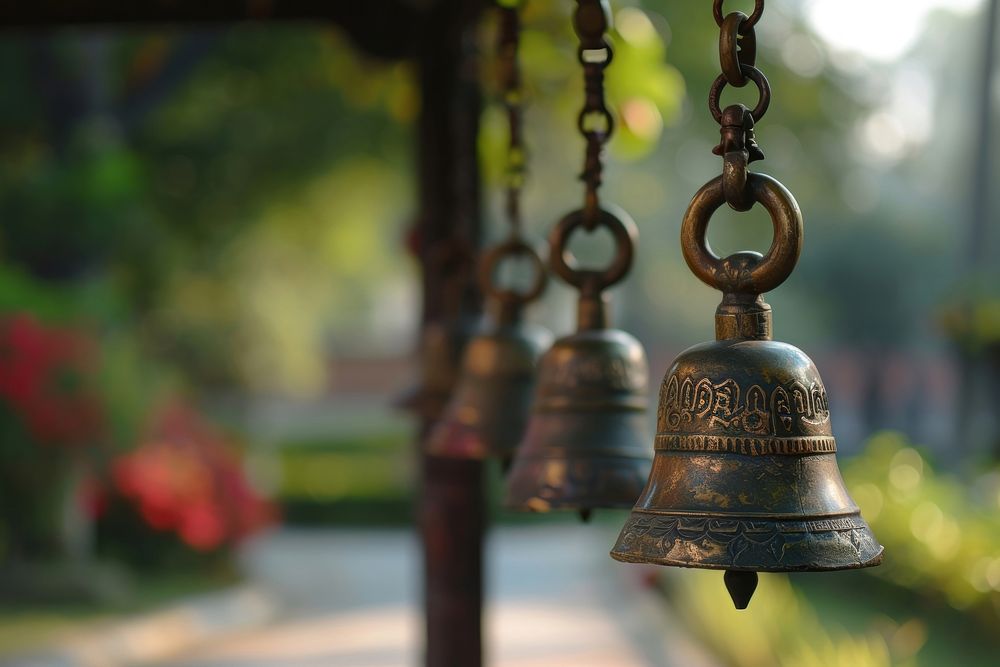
column 510, row 249
column 564, row 264
column 743, row 272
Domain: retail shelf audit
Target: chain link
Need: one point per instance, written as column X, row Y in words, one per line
column 511, row 85
column 758, row 11
column 595, row 122
column 738, row 144
column 743, row 275
column 736, row 48
column 513, row 100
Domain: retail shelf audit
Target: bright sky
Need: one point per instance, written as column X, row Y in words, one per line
column 878, row 29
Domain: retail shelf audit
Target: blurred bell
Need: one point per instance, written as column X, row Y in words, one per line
column 744, row 476
column 492, row 402
column 439, row 359
column 586, row 445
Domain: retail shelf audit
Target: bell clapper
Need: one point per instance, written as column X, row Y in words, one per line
column 741, row 584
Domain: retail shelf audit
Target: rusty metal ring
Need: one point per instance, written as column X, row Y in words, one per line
column 758, row 11
column 736, row 48
column 564, row 264
column 763, row 89
column 491, row 259
column 743, row 272
column 606, row 116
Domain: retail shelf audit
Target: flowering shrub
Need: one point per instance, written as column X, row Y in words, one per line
column 47, row 383
column 183, row 483
column 51, row 418
column 177, row 488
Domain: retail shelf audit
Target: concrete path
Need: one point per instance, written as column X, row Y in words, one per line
column 352, row 600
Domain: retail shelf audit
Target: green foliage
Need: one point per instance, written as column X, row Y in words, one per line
column 360, row 480
column 780, row 627
column 972, row 319
column 941, row 535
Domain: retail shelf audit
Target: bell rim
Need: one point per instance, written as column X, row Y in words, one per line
column 642, row 547
column 874, row 561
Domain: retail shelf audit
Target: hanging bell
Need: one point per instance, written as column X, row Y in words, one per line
column 442, row 341
column 490, row 409
column 586, row 442
column 439, row 360
column 744, row 476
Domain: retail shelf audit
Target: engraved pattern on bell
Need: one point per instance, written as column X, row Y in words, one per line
column 587, row 441
column 745, row 476
column 489, row 412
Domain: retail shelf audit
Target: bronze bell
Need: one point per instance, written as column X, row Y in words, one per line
column 439, row 360
column 442, row 341
column 744, row 476
column 586, row 445
column 490, row 408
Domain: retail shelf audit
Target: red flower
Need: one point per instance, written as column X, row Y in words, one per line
column 47, row 375
column 185, row 478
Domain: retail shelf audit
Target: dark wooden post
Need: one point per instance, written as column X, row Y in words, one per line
column 451, row 512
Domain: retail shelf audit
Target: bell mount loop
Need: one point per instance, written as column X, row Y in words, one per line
column 510, row 302
column 744, row 276
column 592, row 310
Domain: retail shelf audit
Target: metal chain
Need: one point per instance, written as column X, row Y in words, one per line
column 737, row 57
column 513, row 100
column 595, row 122
column 509, row 73
column 742, row 276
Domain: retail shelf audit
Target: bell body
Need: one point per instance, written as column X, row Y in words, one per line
column 439, row 359
column 745, row 475
column 492, row 402
column 586, row 444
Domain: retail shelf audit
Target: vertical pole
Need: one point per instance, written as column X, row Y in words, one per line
column 977, row 248
column 452, row 508
column 976, row 251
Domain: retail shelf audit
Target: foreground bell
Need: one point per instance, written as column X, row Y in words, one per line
column 586, row 446
column 489, row 412
column 745, row 477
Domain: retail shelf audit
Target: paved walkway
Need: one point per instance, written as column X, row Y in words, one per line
column 557, row 600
